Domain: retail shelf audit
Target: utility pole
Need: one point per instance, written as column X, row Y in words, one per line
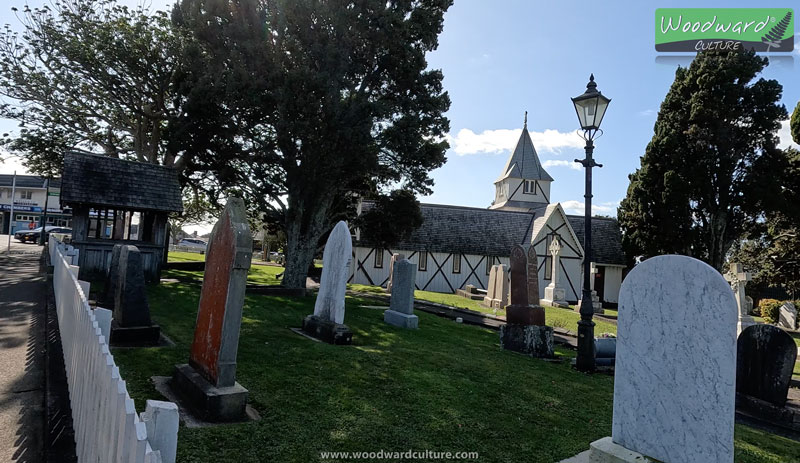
column 11, row 215
column 44, row 215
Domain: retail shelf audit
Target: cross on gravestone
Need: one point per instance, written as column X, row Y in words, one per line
column 208, row 382
column 327, row 322
column 555, row 249
column 738, row 278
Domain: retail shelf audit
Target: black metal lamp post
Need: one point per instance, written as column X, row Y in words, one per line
column 591, row 107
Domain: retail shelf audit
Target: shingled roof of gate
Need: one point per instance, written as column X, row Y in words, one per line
column 104, row 181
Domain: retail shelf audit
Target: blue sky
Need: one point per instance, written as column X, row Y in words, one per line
column 505, row 57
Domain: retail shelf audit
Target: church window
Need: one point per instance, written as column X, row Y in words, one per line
column 378, row 258
column 456, row 263
column 489, row 263
column 524, row 186
column 423, row 261
column 529, row 187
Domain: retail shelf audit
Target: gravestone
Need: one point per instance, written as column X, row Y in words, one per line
column 554, row 293
column 738, row 278
column 533, row 276
column 787, row 316
column 327, row 322
column 401, row 305
column 131, row 324
column 675, row 378
column 498, row 289
column 764, row 363
column 110, row 287
column 208, row 381
column 605, row 352
column 395, row 258
column 748, row 304
column 524, row 331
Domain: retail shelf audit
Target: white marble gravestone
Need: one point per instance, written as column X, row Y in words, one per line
column 335, row 271
column 498, row 289
column 674, row 384
column 395, row 258
column 787, row 316
column 554, row 293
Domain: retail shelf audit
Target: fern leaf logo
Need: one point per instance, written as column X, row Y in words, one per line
column 775, row 35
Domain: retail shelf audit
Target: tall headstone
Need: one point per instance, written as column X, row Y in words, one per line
column 208, row 381
column 498, row 289
column 390, row 282
column 533, row 276
column 327, row 322
column 738, row 278
column 764, row 363
column 675, row 378
column 401, row 305
column 554, row 293
column 110, row 288
column 787, row 316
column 524, row 330
column 131, row 324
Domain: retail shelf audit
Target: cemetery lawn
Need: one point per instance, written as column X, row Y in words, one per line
column 258, row 274
column 181, row 256
column 554, row 316
column 444, row 387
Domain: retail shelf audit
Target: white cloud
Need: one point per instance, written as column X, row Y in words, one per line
column 786, row 137
column 9, row 164
column 647, row 112
column 504, row 140
column 562, row 163
column 577, row 207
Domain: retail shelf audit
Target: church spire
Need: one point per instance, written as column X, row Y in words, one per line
column 524, row 162
column 526, row 121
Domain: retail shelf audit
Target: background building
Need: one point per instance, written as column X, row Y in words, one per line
column 30, row 196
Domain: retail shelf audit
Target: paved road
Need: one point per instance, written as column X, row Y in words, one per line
column 22, row 338
column 17, row 247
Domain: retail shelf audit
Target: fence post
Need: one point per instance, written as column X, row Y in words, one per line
column 103, row 317
column 161, row 420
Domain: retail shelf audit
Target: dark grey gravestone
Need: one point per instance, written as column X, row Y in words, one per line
column 110, row 289
column 401, row 307
column 132, row 324
column 765, row 357
column 605, row 352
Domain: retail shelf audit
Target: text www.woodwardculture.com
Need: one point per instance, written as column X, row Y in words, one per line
column 395, row 455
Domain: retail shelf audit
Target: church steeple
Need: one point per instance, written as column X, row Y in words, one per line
column 523, row 184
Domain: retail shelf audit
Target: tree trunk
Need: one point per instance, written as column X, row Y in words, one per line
column 716, row 248
column 304, row 227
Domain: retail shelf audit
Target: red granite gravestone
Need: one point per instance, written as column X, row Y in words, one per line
column 209, row 380
column 533, row 276
column 520, row 312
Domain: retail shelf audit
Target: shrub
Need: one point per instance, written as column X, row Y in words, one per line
column 769, row 309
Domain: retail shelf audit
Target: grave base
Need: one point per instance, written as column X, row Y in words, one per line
column 327, row 331
column 208, row 402
column 532, row 340
column 525, row 315
column 134, row 335
column 402, row 320
column 744, row 322
column 606, row 451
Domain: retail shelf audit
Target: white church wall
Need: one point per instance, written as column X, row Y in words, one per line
column 612, row 281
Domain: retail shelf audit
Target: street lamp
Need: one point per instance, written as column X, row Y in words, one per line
column 590, row 107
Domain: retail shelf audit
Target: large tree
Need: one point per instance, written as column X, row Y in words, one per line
column 700, row 183
column 333, row 101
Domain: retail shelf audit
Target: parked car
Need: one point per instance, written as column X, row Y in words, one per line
column 193, row 243
column 32, row 236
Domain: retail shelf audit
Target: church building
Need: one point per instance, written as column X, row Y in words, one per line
column 457, row 246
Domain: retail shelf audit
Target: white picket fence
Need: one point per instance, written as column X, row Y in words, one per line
column 107, row 428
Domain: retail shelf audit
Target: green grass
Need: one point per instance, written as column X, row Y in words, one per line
column 444, row 387
column 181, row 256
column 258, row 274
column 554, row 316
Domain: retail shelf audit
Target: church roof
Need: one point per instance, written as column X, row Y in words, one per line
column 606, row 239
column 466, row 230
column 493, row 232
column 524, row 162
